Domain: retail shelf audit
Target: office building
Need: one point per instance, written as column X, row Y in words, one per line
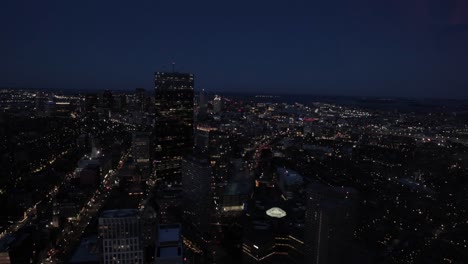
column 202, row 138
column 329, row 223
column 120, row 102
column 40, row 101
column 141, row 148
column 174, row 124
column 289, row 182
column 216, row 146
column 140, row 102
column 87, row 252
column 169, row 248
column 220, row 153
column 217, row 104
column 149, row 225
column 108, row 100
column 169, row 202
column 203, row 101
column 120, row 236
column 273, row 231
column 197, row 200
column 91, row 102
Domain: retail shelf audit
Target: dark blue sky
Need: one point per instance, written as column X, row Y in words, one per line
column 339, row 47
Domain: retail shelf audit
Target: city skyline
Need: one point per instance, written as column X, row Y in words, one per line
column 234, row 132
column 138, row 177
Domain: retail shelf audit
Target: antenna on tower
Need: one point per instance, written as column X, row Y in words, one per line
column 173, row 67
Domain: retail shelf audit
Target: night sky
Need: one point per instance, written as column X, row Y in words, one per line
column 329, row 47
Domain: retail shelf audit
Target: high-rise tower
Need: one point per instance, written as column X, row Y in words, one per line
column 141, row 148
column 196, row 178
column 174, row 124
column 329, row 224
column 217, row 104
column 203, row 101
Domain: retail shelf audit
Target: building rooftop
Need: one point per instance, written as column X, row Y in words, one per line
column 121, row 200
column 290, row 177
column 87, row 252
column 168, row 252
column 6, row 241
column 119, row 213
column 169, row 233
column 87, row 162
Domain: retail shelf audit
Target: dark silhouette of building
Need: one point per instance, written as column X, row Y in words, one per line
column 108, row 100
column 272, row 229
column 198, row 205
column 220, row 152
column 91, row 102
column 217, row 104
column 141, row 103
column 141, row 148
column 329, row 223
column 203, row 101
column 174, row 124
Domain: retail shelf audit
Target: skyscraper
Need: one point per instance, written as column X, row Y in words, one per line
column 220, row 152
column 91, row 102
column 198, row 205
column 108, row 100
column 203, row 101
column 174, row 124
column 120, row 234
column 329, row 224
column 217, row 104
column 141, row 148
column 140, row 99
column 202, row 138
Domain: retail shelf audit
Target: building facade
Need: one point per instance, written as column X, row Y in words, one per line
column 330, row 221
column 197, row 196
column 217, row 105
column 174, row 124
column 120, row 237
column 141, row 148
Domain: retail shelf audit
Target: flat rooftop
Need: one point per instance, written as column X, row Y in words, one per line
column 119, row 213
column 237, row 188
column 87, row 252
column 169, row 233
column 290, row 177
column 169, row 252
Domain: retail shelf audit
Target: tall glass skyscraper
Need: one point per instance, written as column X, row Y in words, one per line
column 174, row 124
column 330, row 220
